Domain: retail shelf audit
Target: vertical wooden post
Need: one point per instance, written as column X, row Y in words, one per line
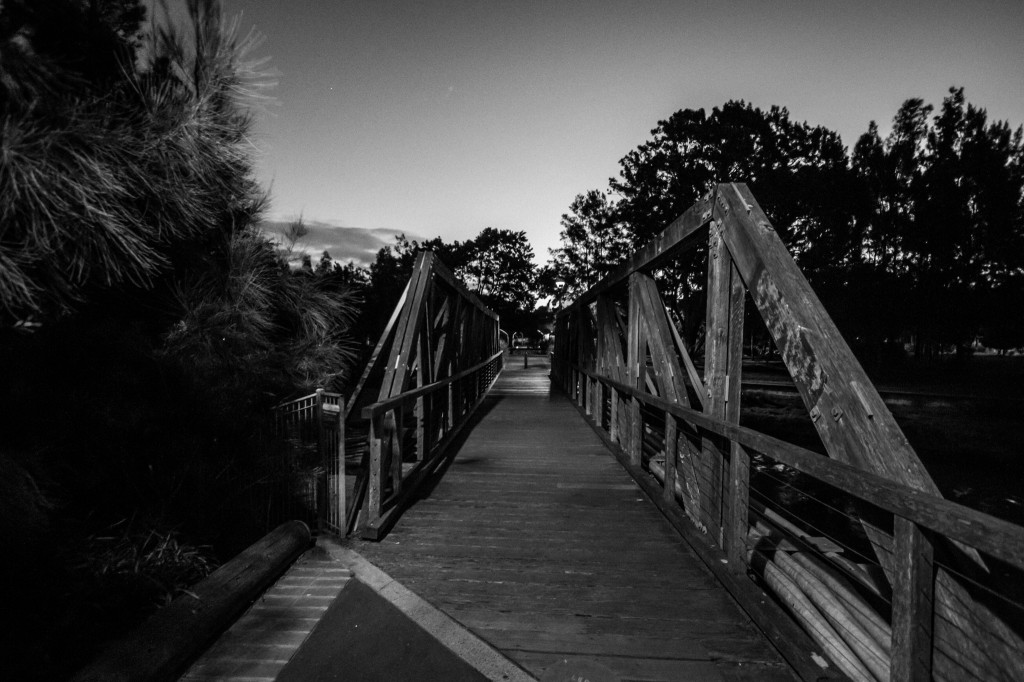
column 322, row 452
column 457, row 403
column 912, row 597
column 636, row 432
column 449, row 417
column 726, row 502
column 715, row 369
column 669, row 490
column 636, row 361
column 373, row 493
column 588, row 395
column 613, row 421
column 610, row 362
column 338, row 517
column 397, row 449
column 421, row 430
column 737, row 524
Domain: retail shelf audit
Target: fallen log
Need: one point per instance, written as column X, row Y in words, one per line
column 172, row 638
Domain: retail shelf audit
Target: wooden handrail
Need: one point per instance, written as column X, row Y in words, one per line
column 311, row 397
column 382, row 406
column 438, row 328
column 1001, row 539
column 619, row 330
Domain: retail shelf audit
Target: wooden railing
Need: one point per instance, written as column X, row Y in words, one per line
column 933, row 606
column 439, row 411
column 435, row 361
column 430, row 369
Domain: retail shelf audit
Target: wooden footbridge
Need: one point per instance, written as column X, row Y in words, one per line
column 608, row 509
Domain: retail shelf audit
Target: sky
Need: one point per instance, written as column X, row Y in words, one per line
column 443, row 118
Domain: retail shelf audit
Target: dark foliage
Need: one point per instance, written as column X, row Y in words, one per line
column 146, row 327
column 919, row 236
column 497, row 266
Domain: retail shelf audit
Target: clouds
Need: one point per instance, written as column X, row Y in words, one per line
column 357, row 244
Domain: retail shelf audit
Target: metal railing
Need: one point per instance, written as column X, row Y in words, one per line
column 316, row 423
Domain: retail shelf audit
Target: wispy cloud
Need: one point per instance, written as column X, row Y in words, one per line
column 356, row 244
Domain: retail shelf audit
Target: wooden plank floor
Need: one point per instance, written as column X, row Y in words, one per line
column 538, row 541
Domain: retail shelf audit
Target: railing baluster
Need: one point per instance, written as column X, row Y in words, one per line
column 373, row 492
column 613, row 426
column 669, row 491
column 737, row 524
column 635, row 432
column 338, row 512
column 421, row 428
column 449, row 417
column 912, row 597
column 322, row 454
column 397, row 451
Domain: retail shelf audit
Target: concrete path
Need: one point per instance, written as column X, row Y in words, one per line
column 336, row 616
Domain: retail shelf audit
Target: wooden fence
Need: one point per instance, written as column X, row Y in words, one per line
column 917, row 594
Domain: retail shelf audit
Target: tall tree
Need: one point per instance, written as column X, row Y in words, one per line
column 593, row 242
column 501, row 272
column 943, row 221
column 798, row 172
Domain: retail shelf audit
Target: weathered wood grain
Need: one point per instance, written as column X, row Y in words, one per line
column 913, row 596
column 1001, row 539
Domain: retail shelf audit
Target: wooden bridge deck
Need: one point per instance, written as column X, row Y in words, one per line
column 539, row 541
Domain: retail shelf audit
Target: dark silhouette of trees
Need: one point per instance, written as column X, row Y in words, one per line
column 501, row 272
column 798, row 172
column 496, row 265
column 146, row 326
column 919, row 235
column 593, row 240
column 943, row 226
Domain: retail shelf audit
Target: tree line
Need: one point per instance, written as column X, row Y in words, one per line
column 914, row 237
column 918, row 236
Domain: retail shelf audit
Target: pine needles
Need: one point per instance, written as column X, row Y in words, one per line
column 103, row 174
